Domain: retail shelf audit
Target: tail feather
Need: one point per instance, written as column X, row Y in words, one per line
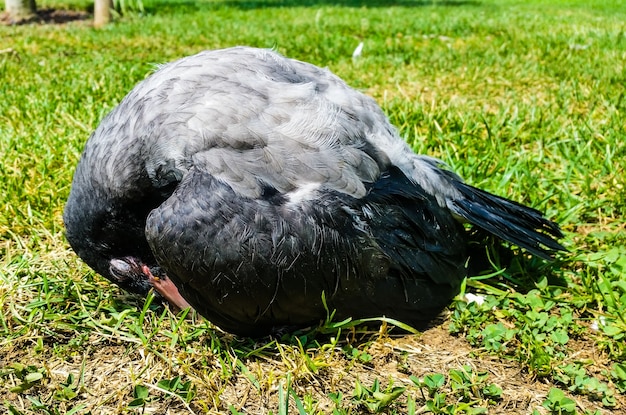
column 508, row 220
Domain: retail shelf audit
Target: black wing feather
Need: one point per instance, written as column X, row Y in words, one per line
column 508, row 220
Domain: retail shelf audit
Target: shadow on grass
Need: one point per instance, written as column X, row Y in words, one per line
column 251, row 4
column 161, row 6
column 47, row 16
column 499, row 265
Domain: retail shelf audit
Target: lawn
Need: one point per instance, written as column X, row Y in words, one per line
column 525, row 99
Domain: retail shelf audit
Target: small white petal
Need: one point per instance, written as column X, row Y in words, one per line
column 595, row 324
column 472, row 298
column 357, row 52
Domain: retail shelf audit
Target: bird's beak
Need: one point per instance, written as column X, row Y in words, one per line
column 124, row 269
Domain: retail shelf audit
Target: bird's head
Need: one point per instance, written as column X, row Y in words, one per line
column 110, row 238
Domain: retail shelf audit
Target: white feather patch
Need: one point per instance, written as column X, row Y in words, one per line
column 307, row 191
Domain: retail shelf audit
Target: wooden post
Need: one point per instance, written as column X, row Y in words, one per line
column 102, row 12
column 19, row 10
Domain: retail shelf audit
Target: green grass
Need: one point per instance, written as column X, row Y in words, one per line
column 522, row 98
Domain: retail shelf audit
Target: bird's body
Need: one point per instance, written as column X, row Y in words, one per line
column 258, row 183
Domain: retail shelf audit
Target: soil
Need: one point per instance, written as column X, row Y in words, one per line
column 47, row 16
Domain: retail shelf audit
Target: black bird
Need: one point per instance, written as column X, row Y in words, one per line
column 257, row 184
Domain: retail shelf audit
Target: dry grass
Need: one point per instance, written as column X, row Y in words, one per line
column 110, row 367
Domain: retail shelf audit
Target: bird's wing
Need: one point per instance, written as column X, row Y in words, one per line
column 250, row 264
column 258, row 122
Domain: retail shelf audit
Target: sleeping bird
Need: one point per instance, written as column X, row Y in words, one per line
column 265, row 192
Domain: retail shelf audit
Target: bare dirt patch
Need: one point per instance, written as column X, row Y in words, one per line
column 47, row 16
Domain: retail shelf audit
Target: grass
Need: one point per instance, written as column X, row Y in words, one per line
column 522, row 98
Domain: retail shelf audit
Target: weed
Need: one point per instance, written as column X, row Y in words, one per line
column 558, row 403
column 374, row 398
column 28, row 376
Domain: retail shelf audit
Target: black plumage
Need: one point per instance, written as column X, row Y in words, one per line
column 256, row 183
